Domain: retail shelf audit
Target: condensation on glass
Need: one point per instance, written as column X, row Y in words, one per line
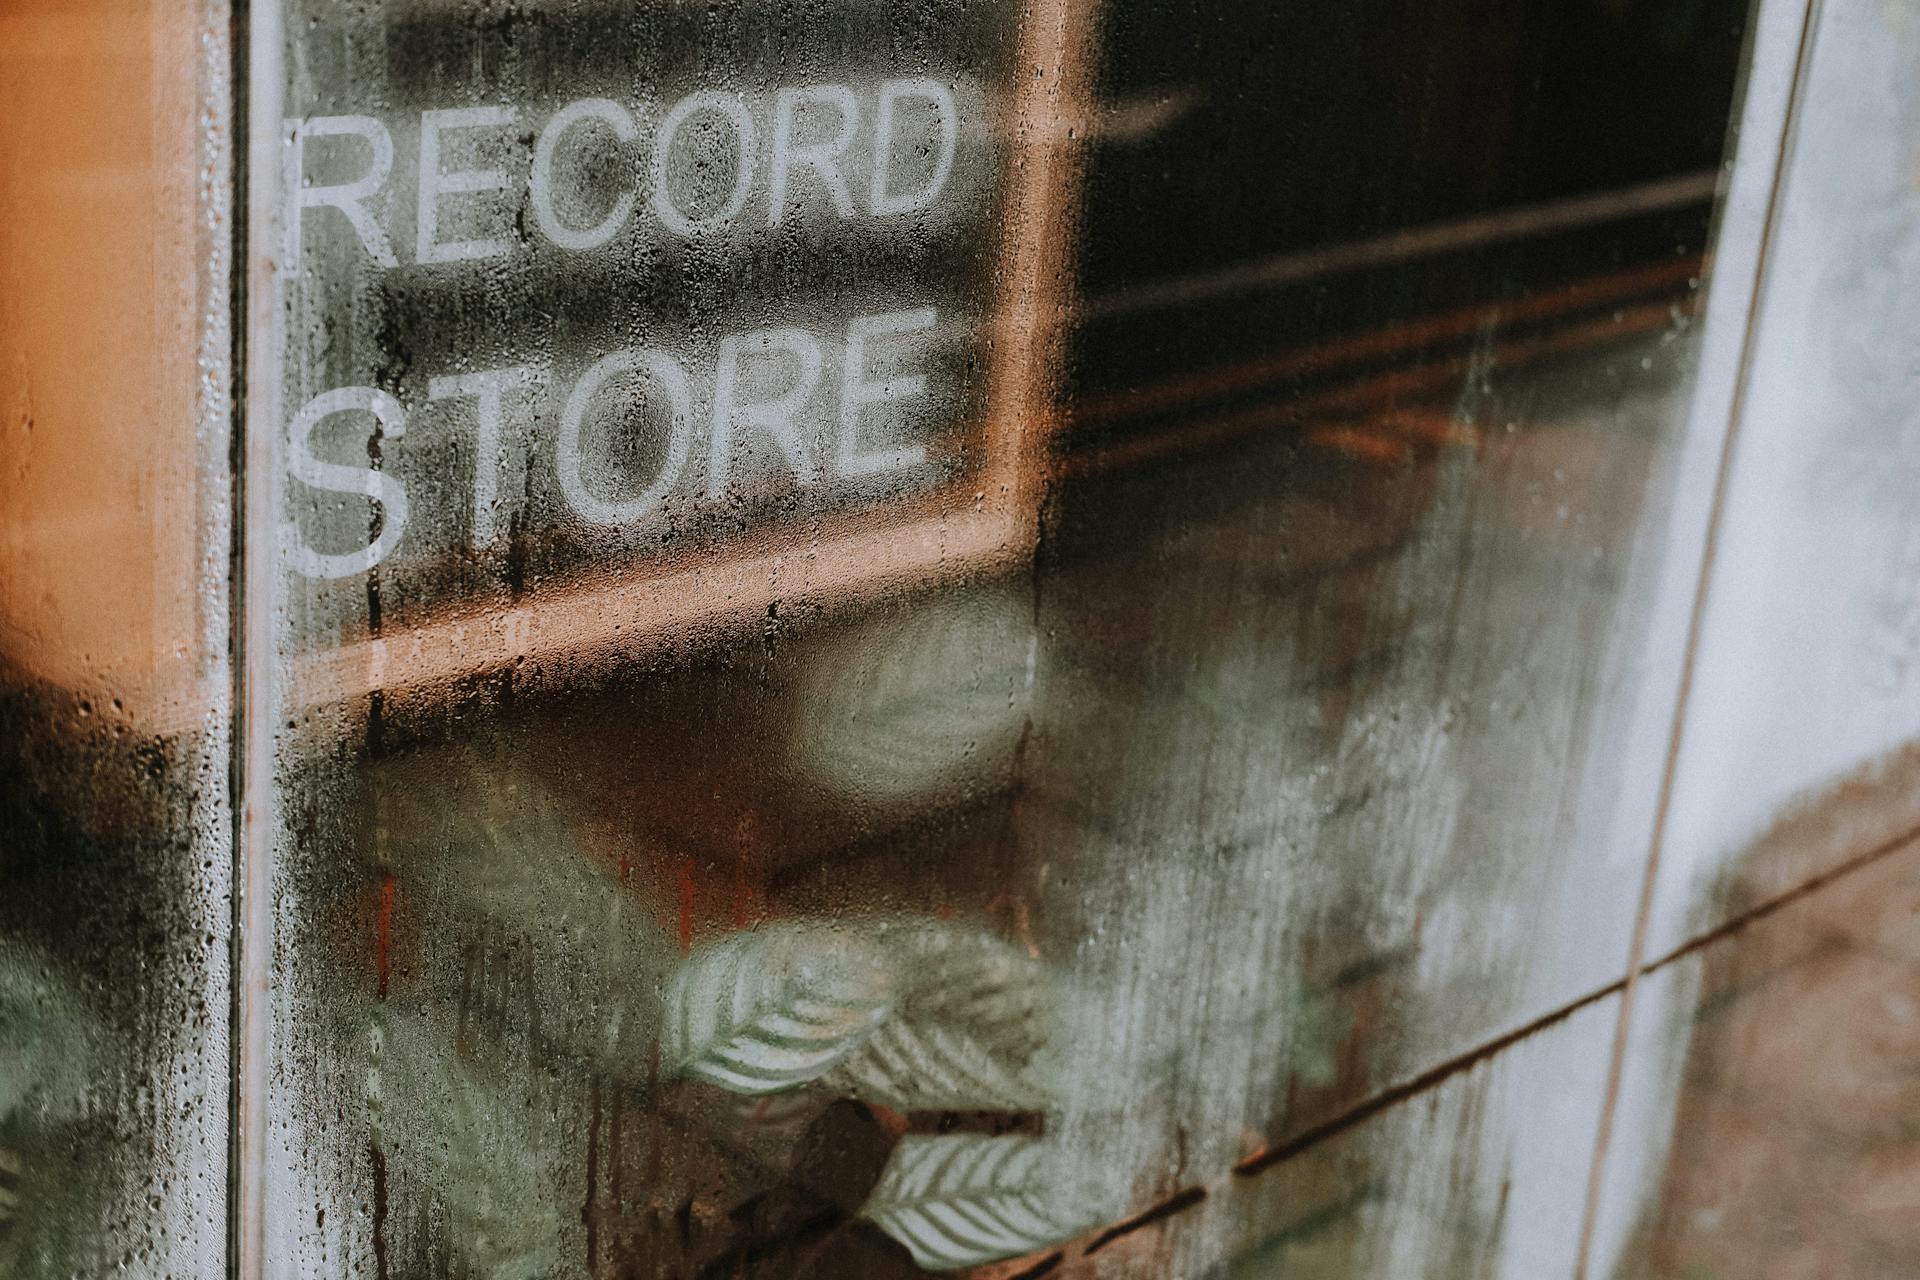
column 666, row 391
column 116, row 821
column 876, row 637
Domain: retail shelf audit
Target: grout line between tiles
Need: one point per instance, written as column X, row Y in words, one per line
column 1696, row 622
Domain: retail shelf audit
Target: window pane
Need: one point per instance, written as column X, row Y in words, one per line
column 116, row 825
column 909, row 631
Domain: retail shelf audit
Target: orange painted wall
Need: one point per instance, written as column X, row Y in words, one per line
column 107, row 284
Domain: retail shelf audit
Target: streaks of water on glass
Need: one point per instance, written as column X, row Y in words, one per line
column 805, row 749
column 115, row 820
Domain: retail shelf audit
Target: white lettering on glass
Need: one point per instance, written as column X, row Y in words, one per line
column 884, row 202
column 734, row 110
column 348, row 197
column 822, row 156
column 435, row 183
column 489, row 387
column 775, row 417
column 856, row 393
column 915, row 132
column 665, row 373
column 540, row 184
column 333, row 477
column 747, row 367
column 883, row 150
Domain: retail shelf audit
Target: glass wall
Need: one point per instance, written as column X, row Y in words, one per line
column 911, row 630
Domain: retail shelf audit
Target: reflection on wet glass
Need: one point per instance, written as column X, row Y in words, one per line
column 49, row 1054
column 891, row 636
column 907, row 643
column 116, row 838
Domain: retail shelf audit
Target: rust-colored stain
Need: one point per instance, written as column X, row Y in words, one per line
column 383, row 937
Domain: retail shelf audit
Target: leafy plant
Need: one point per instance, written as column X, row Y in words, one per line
column 971, row 1029
column 775, row 1007
column 928, row 1067
column 484, row 853
column 960, row 1200
column 467, row 1135
column 48, row 1037
column 911, row 1014
column 11, row 1169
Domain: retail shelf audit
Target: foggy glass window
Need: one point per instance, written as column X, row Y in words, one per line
column 717, row 638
